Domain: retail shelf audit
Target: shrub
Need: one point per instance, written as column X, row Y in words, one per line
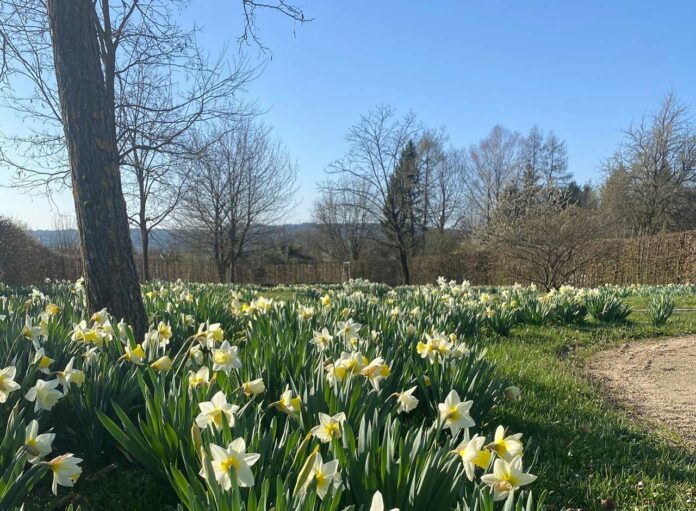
column 607, row 307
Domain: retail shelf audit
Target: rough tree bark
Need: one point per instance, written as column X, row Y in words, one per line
column 111, row 278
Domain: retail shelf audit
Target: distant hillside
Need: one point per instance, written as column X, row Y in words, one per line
column 167, row 239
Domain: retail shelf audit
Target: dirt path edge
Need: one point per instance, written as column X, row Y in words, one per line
column 656, row 379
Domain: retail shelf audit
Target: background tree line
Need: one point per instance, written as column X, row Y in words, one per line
column 402, row 189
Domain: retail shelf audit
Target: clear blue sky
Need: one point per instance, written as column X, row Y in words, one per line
column 583, row 69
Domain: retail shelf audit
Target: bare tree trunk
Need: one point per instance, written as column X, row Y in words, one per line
column 145, row 242
column 111, row 278
column 405, row 271
column 233, row 269
column 222, row 271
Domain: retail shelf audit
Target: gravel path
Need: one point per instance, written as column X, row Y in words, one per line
column 656, row 378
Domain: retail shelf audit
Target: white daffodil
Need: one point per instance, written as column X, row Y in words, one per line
column 44, row 362
column 435, row 348
column 473, row 454
column 322, row 340
column 164, row 333
column 66, row 471
column 232, row 462
column 215, row 334
column 305, row 313
column 196, row 354
column 135, row 355
column 226, row 358
column 348, row 329
column 44, row 394
column 213, row 410
column 199, row 378
column 288, row 404
column 507, row 476
column 406, row 400
column 35, row 444
column 329, row 427
column 70, row 375
column 325, row 475
column 506, row 447
column 254, row 387
column 454, row 414
column 375, row 371
column 377, row 503
column 7, row 383
column 100, row 317
column 90, row 356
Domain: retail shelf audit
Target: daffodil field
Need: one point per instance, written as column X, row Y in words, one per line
column 354, row 396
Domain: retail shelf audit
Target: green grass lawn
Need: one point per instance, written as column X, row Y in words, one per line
column 588, row 448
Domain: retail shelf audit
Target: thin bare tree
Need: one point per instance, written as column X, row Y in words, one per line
column 342, row 221
column 656, row 165
column 64, row 238
column 243, row 182
column 367, row 172
column 494, row 164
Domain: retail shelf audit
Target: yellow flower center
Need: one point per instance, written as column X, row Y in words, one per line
column 453, row 413
column 482, row 459
column 332, row 429
column 502, row 486
column 221, row 357
column 216, row 415
column 228, row 463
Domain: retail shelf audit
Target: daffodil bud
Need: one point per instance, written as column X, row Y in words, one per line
column 162, row 364
column 197, row 439
column 254, row 387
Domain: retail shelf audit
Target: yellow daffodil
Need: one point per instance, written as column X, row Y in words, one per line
column 134, row 355
column 43, row 361
column 53, row 309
